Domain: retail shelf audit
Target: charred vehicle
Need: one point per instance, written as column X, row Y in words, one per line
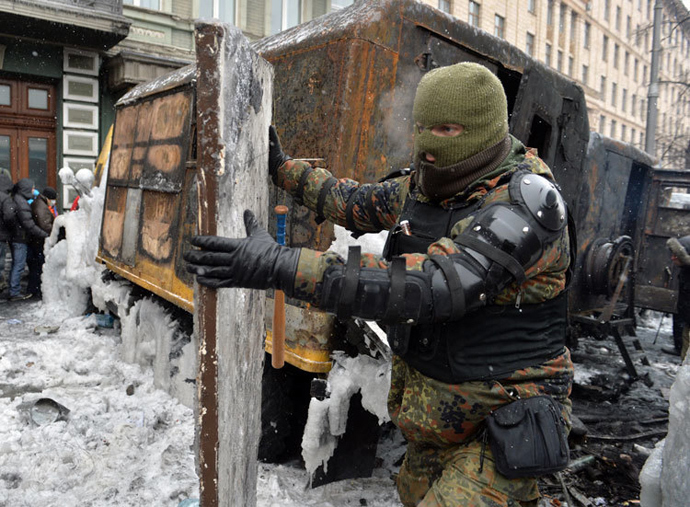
column 343, row 90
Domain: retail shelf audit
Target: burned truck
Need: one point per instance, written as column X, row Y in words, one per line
column 344, row 85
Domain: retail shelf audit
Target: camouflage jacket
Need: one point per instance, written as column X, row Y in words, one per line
column 427, row 411
column 545, row 279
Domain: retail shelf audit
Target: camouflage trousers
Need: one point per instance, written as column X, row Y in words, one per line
column 443, row 424
column 457, row 476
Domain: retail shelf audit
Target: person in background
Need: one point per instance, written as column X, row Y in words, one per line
column 19, row 220
column 680, row 255
column 43, row 213
column 5, row 235
column 471, row 287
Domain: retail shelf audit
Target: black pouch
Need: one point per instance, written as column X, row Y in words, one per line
column 528, row 437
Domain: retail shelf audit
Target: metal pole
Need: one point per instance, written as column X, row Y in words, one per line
column 653, row 94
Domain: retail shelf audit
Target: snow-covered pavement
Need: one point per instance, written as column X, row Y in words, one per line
column 124, row 442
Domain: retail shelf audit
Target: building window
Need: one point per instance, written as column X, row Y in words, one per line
column 573, row 25
column 547, row 55
column 586, row 34
column 499, row 26
column 561, row 18
column 559, row 61
column 613, row 128
column 635, row 67
column 585, row 75
column 571, row 66
column 602, row 88
column 549, row 13
column 628, row 27
column 532, row 6
column 444, row 5
column 285, row 14
column 474, row 14
column 632, row 135
column 607, row 9
column 618, row 18
column 616, row 50
column 602, row 123
column 644, row 74
column 529, row 44
column 605, row 48
column 153, row 5
column 626, row 63
column 623, row 132
column 614, row 92
column 624, row 99
column 223, row 10
column 633, row 100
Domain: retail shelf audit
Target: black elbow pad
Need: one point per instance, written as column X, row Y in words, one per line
column 390, row 296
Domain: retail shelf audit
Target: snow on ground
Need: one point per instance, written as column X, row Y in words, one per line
column 124, row 442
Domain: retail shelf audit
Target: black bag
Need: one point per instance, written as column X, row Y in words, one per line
column 528, row 437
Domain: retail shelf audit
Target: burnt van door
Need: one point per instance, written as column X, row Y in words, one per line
column 668, row 215
column 550, row 115
column 535, row 114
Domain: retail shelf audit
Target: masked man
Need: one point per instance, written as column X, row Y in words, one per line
column 471, row 286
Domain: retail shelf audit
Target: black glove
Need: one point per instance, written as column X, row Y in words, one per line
column 254, row 262
column 276, row 156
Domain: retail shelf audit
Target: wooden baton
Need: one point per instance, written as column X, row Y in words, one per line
column 278, row 354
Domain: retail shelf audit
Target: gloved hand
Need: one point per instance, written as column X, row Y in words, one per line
column 276, row 156
column 254, row 262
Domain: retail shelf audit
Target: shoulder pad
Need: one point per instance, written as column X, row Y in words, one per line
column 541, row 197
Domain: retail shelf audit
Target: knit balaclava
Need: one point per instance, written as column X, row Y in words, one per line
column 470, row 95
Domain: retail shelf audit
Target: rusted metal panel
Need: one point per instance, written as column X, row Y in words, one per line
column 113, row 221
column 130, row 233
column 667, row 215
column 608, row 206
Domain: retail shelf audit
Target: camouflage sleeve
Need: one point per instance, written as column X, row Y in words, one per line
column 313, row 264
column 370, row 207
column 544, row 280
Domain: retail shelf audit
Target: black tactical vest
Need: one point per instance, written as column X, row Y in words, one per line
column 489, row 343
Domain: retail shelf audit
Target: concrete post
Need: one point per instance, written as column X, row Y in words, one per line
column 234, row 100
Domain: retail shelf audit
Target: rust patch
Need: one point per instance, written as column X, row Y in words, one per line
column 113, row 221
column 165, row 158
column 157, row 239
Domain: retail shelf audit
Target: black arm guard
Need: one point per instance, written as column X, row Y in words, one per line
column 503, row 240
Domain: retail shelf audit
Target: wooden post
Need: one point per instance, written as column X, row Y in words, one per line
column 234, row 90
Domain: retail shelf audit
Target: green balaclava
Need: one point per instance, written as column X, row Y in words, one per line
column 472, row 96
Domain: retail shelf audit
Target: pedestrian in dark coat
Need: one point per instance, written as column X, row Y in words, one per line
column 5, row 235
column 680, row 255
column 43, row 216
column 19, row 219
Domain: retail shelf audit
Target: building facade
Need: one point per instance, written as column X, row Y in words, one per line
column 606, row 47
column 64, row 63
